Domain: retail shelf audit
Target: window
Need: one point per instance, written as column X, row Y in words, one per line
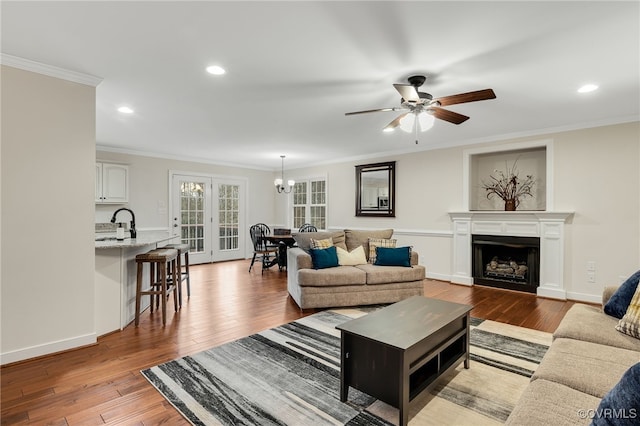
column 310, row 203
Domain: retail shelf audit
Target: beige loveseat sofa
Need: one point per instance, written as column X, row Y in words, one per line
column 365, row 284
column 587, row 358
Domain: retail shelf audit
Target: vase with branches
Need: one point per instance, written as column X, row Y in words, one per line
column 509, row 186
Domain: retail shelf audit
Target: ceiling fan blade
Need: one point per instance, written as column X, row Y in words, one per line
column 372, row 110
column 408, row 92
column 396, row 122
column 450, row 116
column 478, row 95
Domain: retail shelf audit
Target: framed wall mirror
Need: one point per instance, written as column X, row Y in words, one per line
column 376, row 189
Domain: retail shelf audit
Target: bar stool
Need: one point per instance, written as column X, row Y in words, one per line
column 183, row 249
column 160, row 285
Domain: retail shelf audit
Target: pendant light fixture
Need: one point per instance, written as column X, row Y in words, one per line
column 279, row 182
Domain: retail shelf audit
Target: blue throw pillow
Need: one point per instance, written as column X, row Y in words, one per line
column 398, row 256
column 621, row 405
column 324, row 258
column 619, row 302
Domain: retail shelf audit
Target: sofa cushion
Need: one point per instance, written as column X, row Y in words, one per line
column 548, row 403
column 589, row 323
column 392, row 274
column 324, row 258
column 400, row 256
column 618, row 303
column 585, row 366
column 355, row 257
column 630, row 322
column 355, row 238
column 303, row 239
column 621, row 406
column 338, row 276
column 374, row 243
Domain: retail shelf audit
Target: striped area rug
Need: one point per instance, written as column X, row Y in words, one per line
column 290, row 375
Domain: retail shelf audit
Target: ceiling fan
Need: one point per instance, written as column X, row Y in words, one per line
column 423, row 107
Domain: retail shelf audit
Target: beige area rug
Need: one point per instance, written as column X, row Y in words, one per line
column 290, row 375
column 503, row 359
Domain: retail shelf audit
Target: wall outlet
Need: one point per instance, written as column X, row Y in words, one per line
column 591, row 266
column 591, row 277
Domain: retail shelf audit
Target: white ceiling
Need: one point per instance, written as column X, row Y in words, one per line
column 295, row 68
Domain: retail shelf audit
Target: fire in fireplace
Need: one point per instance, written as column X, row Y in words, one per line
column 506, row 262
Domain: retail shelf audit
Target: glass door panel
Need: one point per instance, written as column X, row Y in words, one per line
column 229, row 225
column 191, row 201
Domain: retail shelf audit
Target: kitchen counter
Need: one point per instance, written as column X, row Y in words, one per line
column 115, row 279
column 143, row 238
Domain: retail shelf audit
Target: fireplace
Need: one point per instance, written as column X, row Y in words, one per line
column 509, row 262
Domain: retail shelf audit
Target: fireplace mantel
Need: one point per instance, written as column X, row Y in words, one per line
column 547, row 225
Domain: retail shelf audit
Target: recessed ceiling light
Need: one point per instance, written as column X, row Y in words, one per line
column 125, row 110
column 215, row 70
column 588, row 88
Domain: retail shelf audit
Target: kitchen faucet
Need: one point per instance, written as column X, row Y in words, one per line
column 133, row 220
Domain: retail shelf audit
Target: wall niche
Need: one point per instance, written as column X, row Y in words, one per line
column 533, row 158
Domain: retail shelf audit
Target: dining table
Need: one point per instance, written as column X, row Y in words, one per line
column 283, row 242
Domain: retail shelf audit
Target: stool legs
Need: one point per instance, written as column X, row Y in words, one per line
column 179, row 282
column 176, row 282
column 186, row 268
column 139, row 292
column 163, row 275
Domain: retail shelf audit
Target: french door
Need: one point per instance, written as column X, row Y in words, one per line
column 207, row 212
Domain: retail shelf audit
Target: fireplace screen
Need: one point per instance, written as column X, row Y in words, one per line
column 506, row 262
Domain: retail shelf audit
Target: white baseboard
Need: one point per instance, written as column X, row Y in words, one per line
column 460, row 279
column 437, row 276
column 582, row 297
column 47, row 348
column 552, row 293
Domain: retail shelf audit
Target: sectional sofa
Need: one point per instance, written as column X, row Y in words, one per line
column 586, row 360
column 352, row 285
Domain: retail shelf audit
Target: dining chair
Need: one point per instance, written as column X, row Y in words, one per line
column 307, row 227
column 267, row 253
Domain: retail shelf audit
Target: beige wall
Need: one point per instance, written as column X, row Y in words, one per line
column 48, row 151
column 595, row 175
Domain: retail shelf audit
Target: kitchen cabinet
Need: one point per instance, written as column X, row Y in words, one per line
column 112, row 183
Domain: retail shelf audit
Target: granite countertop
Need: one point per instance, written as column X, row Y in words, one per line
column 143, row 238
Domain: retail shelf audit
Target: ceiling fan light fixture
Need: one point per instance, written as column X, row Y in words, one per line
column 426, row 121
column 407, row 122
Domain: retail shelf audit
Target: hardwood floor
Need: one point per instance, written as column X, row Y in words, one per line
column 102, row 384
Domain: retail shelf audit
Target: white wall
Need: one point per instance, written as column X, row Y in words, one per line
column 595, row 174
column 48, row 151
column 149, row 189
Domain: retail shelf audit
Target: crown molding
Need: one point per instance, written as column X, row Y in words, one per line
column 50, row 70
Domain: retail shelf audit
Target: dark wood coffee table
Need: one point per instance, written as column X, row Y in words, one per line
column 397, row 352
